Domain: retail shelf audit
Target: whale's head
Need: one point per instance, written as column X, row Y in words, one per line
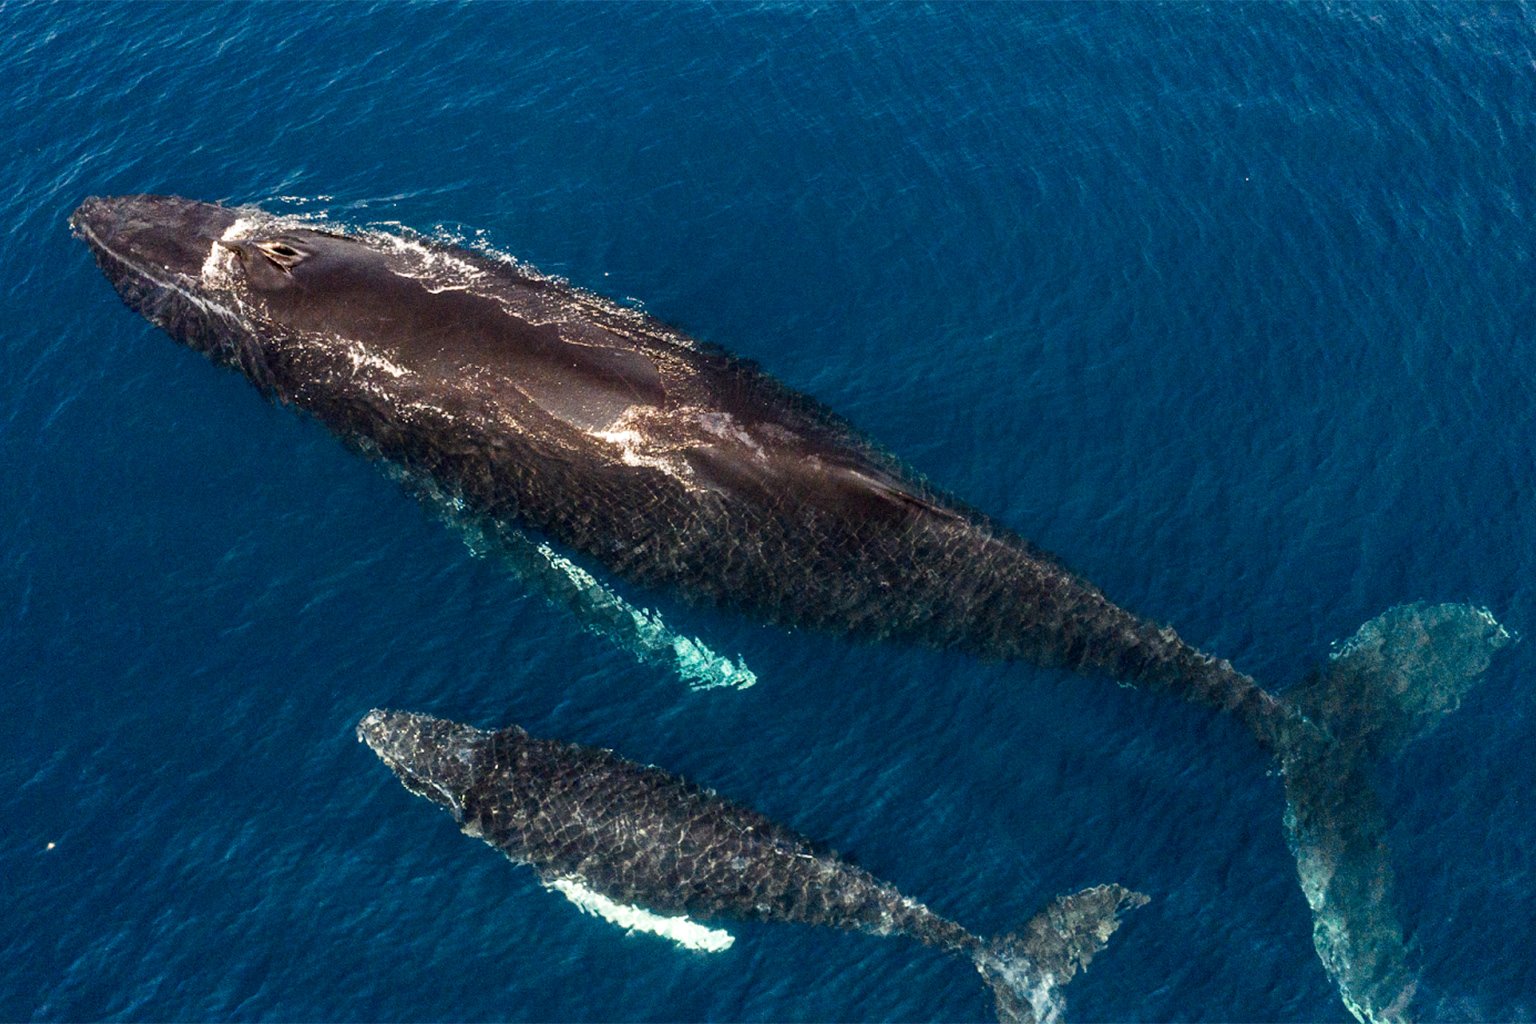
column 160, row 237
column 230, row 281
column 432, row 757
column 165, row 257
column 152, row 234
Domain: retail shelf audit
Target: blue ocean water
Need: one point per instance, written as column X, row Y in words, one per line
column 1230, row 307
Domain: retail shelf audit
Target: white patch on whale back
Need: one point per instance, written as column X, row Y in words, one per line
column 682, row 930
column 430, row 261
column 360, row 357
column 1038, row 988
column 627, row 319
column 242, row 227
column 724, row 426
column 632, row 451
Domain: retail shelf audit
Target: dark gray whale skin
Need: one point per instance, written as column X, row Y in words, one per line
column 644, row 837
column 671, row 463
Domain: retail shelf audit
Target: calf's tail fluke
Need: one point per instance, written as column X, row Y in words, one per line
column 1026, row 970
column 1389, row 684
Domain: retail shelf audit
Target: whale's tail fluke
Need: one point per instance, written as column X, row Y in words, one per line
column 1392, row 682
column 1026, row 970
column 1401, row 674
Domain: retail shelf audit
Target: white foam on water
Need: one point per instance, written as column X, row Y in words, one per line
column 682, row 930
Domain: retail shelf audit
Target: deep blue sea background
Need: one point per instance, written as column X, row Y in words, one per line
column 1231, row 307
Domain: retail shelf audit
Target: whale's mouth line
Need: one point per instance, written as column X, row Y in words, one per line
column 418, row 784
column 136, row 267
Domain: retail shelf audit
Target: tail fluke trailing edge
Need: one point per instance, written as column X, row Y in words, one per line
column 1026, row 970
column 1392, row 682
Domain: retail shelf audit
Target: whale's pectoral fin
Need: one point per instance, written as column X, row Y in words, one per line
column 600, row 609
column 678, row 928
column 1393, row 681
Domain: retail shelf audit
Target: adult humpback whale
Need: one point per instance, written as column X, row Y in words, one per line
column 591, row 822
column 676, row 465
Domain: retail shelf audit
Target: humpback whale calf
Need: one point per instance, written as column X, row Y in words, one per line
column 591, row 822
column 675, row 465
